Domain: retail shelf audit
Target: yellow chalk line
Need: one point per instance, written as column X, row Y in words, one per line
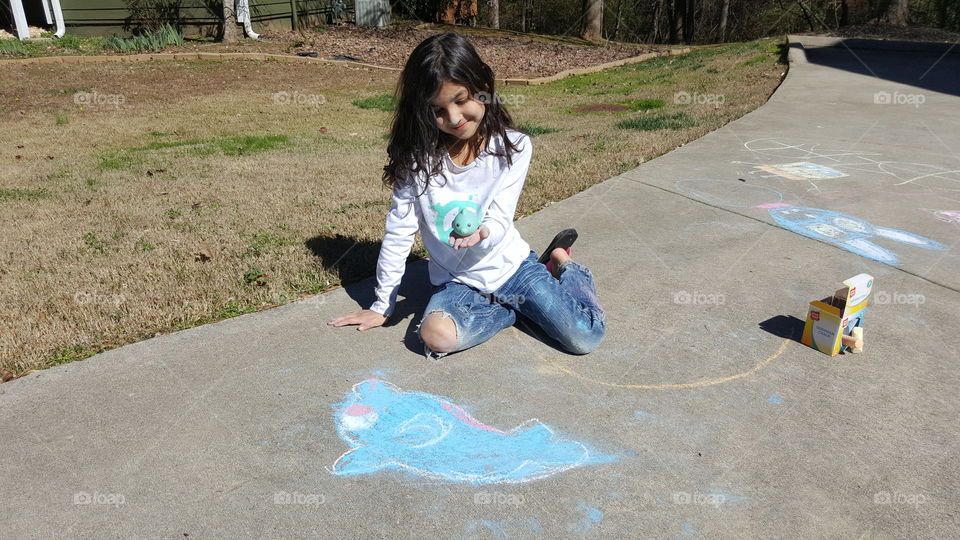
column 697, row 384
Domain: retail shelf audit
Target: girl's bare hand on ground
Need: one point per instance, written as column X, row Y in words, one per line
column 365, row 318
column 472, row 240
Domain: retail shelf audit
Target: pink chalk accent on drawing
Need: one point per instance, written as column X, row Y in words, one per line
column 358, row 410
column 464, row 417
column 768, row 206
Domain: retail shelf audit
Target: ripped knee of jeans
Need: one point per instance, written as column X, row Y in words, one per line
column 427, row 351
column 443, row 314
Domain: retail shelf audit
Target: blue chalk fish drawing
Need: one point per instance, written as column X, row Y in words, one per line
column 845, row 231
column 428, row 435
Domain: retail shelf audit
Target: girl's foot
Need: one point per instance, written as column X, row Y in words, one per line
column 557, row 257
column 563, row 239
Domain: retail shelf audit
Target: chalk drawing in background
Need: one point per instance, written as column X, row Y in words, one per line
column 946, row 216
column 924, row 176
column 803, row 170
column 428, row 435
column 729, row 194
column 842, row 230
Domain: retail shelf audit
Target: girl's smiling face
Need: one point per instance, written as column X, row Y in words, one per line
column 457, row 112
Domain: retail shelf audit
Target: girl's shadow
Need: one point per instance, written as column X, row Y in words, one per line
column 355, row 261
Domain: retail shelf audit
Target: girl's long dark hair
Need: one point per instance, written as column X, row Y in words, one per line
column 416, row 143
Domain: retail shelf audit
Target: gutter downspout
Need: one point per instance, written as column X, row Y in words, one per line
column 46, row 11
column 58, row 15
column 243, row 15
column 20, row 19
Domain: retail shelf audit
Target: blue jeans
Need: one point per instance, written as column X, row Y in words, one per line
column 566, row 310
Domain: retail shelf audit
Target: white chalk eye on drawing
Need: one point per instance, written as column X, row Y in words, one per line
column 826, row 230
column 852, row 225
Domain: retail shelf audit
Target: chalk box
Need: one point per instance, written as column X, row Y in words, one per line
column 831, row 318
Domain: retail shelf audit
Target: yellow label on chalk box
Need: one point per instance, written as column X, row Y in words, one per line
column 828, row 320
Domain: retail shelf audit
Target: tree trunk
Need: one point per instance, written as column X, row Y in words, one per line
column 724, row 11
column 806, row 15
column 494, row 13
column 899, row 12
column 689, row 20
column 657, row 18
column 616, row 29
column 676, row 20
column 592, row 19
column 230, row 32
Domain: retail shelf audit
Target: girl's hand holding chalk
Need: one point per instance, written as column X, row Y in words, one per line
column 468, row 241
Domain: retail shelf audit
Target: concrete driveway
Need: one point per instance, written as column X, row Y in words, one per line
column 700, row 415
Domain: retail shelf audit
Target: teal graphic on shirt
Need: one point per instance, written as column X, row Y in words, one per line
column 443, row 210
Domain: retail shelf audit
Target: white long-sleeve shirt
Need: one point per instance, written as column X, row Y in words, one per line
column 487, row 185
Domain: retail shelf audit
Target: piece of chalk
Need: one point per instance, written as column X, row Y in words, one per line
column 858, row 336
column 854, row 340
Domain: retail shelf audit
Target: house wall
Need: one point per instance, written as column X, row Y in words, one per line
column 197, row 17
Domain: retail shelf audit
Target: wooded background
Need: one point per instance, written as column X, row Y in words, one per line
column 710, row 21
column 642, row 21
